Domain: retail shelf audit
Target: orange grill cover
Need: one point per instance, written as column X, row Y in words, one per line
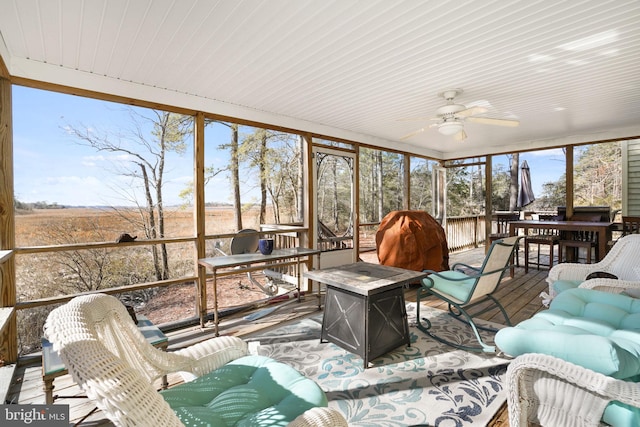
column 413, row 240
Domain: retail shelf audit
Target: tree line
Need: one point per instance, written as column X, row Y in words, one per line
column 271, row 162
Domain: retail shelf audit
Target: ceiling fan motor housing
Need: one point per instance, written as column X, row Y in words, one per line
column 450, row 110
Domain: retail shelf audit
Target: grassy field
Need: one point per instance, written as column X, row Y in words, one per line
column 50, row 274
column 55, row 226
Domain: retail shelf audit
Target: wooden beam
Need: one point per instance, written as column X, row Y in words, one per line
column 36, row 84
column 569, row 181
column 308, row 189
column 356, row 202
column 8, row 337
column 199, row 213
column 406, row 183
column 488, row 200
column 4, row 71
column 61, row 299
column 439, row 193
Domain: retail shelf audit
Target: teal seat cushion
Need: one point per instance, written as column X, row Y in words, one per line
column 617, row 358
column 250, row 391
column 454, row 283
column 562, row 285
column 597, row 330
column 621, row 415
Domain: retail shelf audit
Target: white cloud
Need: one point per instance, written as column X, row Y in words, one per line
column 547, row 153
column 92, row 161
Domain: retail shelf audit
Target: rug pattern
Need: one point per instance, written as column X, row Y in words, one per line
column 426, row 384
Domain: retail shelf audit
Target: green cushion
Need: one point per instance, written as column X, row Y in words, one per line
column 459, row 287
column 562, row 285
column 250, row 391
column 621, row 415
column 597, row 330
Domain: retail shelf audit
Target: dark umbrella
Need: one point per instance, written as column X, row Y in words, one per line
column 525, row 196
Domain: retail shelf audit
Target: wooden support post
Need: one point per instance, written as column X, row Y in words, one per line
column 569, row 182
column 199, row 215
column 488, row 201
column 8, row 336
column 406, row 182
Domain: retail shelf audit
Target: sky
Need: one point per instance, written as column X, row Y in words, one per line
column 544, row 166
column 50, row 165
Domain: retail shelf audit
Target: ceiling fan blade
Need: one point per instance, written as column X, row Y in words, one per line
column 409, row 135
column 414, row 119
column 471, row 111
column 491, row 121
column 460, row 136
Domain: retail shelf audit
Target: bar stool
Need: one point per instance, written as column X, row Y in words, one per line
column 581, row 239
column 546, row 237
column 630, row 225
column 502, row 222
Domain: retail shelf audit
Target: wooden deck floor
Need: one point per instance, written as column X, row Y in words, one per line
column 519, row 295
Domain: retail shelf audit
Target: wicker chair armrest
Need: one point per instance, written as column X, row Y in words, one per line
column 119, row 391
column 570, row 271
column 213, row 353
column 544, row 389
column 615, row 286
column 319, row 417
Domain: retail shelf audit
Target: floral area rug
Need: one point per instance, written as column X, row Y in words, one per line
column 426, row 384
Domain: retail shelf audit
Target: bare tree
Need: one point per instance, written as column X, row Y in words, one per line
column 233, row 168
column 254, row 149
column 145, row 144
column 277, row 157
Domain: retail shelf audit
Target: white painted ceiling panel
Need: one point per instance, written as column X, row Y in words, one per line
column 569, row 71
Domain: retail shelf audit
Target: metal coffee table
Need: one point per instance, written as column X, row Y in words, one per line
column 364, row 309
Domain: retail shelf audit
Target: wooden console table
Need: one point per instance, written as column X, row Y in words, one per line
column 364, row 311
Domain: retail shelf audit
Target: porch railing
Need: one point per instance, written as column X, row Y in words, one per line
column 463, row 232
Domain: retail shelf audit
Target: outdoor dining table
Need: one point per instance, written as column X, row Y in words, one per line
column 602, row 230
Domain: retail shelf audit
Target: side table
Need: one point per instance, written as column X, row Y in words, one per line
column 52, row 366
column 243, row 263
column 365, row 311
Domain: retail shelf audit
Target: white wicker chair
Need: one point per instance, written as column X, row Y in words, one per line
column 549, row 391
column 622, row 261
column 110, row 359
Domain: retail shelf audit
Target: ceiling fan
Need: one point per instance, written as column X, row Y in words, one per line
column 451, row 117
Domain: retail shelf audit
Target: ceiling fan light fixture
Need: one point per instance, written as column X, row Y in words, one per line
column 450, row 127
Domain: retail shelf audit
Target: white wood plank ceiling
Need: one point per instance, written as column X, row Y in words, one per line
column 569, row 71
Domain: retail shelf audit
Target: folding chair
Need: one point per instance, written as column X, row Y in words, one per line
column 246, row 242
column 463, row 291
